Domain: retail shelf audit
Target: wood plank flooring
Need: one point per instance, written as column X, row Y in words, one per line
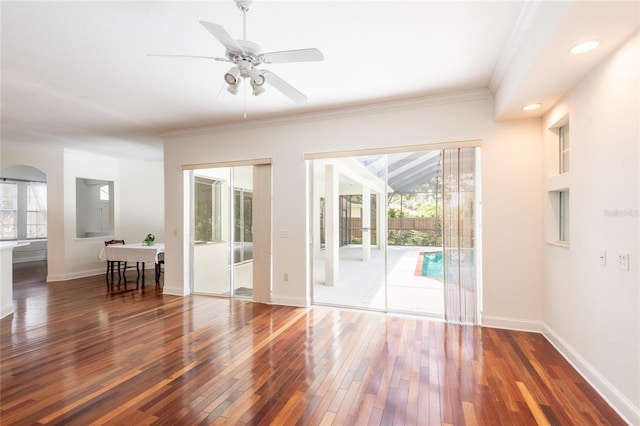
column 75, row 354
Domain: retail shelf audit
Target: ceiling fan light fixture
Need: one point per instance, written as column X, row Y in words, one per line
column 257, row 78
column 257, row 88
column 231, row 77
column 233, row 88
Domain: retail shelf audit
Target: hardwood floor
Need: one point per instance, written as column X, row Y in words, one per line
column 73, row 353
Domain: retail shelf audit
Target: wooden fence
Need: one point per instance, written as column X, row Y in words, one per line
column 423, row 224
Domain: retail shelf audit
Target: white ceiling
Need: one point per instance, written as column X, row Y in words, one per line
column 76, row 73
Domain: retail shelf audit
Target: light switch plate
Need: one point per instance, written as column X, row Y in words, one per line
column 623, row 261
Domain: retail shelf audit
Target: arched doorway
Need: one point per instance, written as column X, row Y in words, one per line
column 23, row 211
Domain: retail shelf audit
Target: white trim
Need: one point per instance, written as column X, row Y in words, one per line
column 236, row 163
column 507, row 323
column 299, row 302
column 7, row 310
column 437, row 146
column 605, row 389
column 344, row 112
column 561, row 244
column 74, row 275
column 514, row 43
column 175, row 291
column 555, row 127
column 94, row 272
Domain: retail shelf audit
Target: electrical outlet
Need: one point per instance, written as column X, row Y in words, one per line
column 623, row 261
column 286, row 276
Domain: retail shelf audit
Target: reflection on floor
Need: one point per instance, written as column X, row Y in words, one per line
column 361, row 284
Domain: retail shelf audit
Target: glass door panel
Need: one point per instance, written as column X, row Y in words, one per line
column 212, row 231
column 349, row 258
column 243, row 231
column 414, row 254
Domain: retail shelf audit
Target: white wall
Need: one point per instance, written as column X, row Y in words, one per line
column 81, row 254
column 592, row 312
column 139, row 203
column 511, row 164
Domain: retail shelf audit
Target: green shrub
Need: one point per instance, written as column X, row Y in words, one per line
column 414, row 238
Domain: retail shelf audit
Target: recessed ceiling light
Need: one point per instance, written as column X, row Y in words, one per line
column 585, row 47
column 531, row 107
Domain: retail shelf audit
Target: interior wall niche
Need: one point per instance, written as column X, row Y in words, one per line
column 94, row 208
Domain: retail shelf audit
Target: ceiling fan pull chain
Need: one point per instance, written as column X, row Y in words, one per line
column 244, row 96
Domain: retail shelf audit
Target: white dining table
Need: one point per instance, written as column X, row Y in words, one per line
column 138, row 252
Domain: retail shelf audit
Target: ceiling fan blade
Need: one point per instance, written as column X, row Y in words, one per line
column 300, row 55
column 190, row 56
column 284, row 87
column 222, row 35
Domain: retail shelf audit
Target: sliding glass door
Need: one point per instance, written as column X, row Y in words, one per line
column 397, row 232
column 223, row 231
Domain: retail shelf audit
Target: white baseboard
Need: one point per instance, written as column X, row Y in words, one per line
column 507, row 323
column 175, row 291
column 298, row 302
column 74, row 275
column 7, row 310
column 131, row 274
column 614, row 398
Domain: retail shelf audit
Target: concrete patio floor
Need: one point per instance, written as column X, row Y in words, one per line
column 361, row 283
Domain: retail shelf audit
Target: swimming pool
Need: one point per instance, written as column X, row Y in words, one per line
column 432, row 265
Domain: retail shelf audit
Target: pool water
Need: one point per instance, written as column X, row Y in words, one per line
column 432, row 265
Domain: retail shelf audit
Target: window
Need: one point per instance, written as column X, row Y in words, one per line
column 563, row 139
column 94, row 208
column 243, row 231
column 36, row 210
column 208, row 210
column 563, row 216
column 23, row 210
column 8, row 211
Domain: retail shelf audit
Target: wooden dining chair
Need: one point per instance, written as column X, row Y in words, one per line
column 112, row 263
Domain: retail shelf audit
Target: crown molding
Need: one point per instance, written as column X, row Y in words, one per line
column 516, row 38
column 343, row 112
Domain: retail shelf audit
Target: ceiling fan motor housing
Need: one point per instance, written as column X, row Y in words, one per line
column 250, row 53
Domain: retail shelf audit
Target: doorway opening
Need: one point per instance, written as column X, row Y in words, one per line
column 23, row 211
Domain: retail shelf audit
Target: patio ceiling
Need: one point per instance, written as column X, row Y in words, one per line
column 407, row 172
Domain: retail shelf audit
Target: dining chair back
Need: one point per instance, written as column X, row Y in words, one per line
column 112, row 263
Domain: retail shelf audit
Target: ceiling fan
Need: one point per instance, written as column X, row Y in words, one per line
column 246, row 57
